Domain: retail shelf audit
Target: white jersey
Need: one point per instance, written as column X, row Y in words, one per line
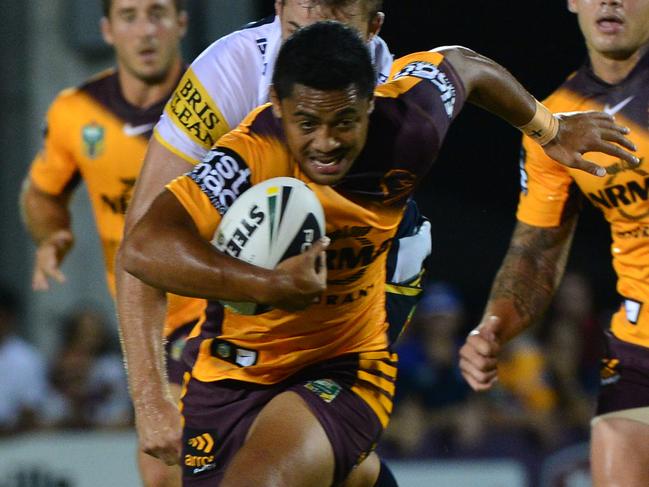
column 227, row 81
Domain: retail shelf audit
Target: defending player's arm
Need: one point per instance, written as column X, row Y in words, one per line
column 564, row 137
column 142, row 308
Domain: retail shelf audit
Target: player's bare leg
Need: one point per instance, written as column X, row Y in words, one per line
column 366, row 474
column 154, row 472
column 619, row 453
column 286, row 447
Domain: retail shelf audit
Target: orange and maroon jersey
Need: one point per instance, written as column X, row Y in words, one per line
column 549, row 189
column 94, row 134
column 412, row 114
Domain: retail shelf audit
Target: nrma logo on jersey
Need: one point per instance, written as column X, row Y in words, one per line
column 625, row 194
column 359, row 252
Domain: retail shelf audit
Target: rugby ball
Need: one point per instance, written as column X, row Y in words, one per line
column 269, row 222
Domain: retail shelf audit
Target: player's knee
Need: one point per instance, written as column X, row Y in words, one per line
column 618, row 431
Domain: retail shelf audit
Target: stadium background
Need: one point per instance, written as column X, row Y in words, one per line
column 470, row 195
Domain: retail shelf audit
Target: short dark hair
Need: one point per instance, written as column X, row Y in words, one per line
column 106, row 4
column 372, row 7
column 326, row 55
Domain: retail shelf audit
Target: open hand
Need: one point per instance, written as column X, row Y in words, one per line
column 590, row 131
column 49, row 255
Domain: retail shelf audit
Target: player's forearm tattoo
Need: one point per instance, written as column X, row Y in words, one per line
column 532, row 269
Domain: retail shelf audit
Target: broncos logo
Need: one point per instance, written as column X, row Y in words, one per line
column 397, row 185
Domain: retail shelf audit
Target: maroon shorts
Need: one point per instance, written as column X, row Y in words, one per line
column 174, row 346
column 219, row 414
column 624, row 382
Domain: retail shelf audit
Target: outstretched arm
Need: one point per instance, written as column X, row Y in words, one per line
column 565, row 137
column 141, row 310
column 521, row 292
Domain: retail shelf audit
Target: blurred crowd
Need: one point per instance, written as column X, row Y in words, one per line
column 79, row 384
column 541, row 403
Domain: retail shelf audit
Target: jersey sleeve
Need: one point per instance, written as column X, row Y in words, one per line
column 545, row 187
column 216, row 93
column 430, row 82
column 382, row 58
column 429, row 69
column 54, row 168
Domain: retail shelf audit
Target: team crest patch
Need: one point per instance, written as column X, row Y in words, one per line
column 198, row 453
column 326, row 389
column 92, row 136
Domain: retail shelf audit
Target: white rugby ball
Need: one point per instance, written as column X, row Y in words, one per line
column 269, row 222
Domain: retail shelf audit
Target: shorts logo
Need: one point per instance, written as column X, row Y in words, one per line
column 198, row 457
column 608, row 372
column 430, row 72
column 92, row 136
column 326, row 389
column 222, row 176
column 203, row 443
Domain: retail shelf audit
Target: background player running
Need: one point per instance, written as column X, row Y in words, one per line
column 98, row 133
column 615, row 78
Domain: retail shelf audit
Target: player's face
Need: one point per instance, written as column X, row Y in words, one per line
column 325, row 130
column 295, row 14
column 146, row 36
column 613, row 28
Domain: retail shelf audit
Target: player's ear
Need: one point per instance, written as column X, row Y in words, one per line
column 572, row 6
column 183, row 22
column 106, row 31
column 376, row 22
column 274, row 99
column 279, row 4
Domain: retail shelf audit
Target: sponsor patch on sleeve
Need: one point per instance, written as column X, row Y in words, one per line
column 192, row 109
column 430, row 72
column 222, row 175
